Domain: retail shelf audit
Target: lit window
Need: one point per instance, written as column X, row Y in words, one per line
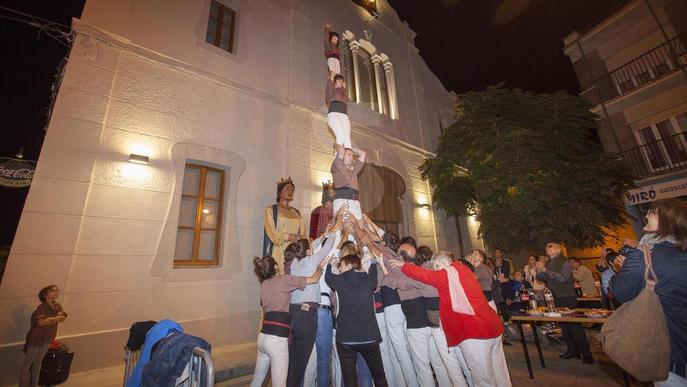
column 347, row 68
column 368, row 88
column 384, row 98
column 221, row 23
column 200, row 217
column 369, row 81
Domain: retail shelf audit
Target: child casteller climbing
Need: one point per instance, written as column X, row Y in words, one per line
column 331, row 50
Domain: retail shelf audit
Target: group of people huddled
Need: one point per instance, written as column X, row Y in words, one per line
column 357, row 305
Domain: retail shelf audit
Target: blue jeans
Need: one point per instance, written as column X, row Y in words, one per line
column 364, row 373
column 323, row 345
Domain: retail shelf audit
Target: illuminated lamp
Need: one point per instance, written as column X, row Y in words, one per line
column 138, row 159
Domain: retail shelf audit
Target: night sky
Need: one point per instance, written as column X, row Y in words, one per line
column 469, row 44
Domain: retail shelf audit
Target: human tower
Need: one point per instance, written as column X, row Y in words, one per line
column 353, row 303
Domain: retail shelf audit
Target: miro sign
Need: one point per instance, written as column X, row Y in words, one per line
column 650, row 193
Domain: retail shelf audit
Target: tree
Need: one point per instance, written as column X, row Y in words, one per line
column 527, row 167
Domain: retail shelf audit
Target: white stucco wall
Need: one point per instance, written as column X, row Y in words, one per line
column 141, row 79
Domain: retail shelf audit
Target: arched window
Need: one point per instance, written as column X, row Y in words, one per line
column 381, row 191
column 368, row 87
column 347, row 68
column 383, row 89
column 369, row 75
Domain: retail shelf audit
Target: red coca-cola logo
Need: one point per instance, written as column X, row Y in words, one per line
column 16, row 173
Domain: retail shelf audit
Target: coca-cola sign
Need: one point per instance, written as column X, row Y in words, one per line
column 16, row 174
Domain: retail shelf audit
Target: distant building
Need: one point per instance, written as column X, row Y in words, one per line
column 217, row 99
column 632, row 65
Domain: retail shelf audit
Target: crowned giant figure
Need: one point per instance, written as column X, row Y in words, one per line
column 323, row 215
column 283, row 223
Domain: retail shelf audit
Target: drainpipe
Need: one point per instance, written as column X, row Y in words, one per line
column 598, row 92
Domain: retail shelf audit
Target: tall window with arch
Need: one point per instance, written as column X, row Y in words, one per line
column 347, row 68
column 368, row 87
column 384, row 98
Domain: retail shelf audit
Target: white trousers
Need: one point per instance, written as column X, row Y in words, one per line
column 418, row 342
column 353, row 207
column 437, row 363
column 334, row 65
column 273, row 352
column 392, row 368
column 673, row 380
column 310, row 377
column 396, row 329
column 341, row 126
column 458, row 353
column 447, row 355
column 486, row 361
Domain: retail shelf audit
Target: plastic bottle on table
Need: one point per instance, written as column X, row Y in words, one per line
column 578, row 289
column 548, row 296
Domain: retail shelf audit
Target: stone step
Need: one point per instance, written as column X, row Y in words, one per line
column 234, row 361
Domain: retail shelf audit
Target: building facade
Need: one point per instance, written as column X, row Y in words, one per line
column 632, row 66
column 173, row 123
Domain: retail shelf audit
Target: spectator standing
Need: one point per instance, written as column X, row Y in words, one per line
column 584, row 276
column 483, row 273
column 43, row 330
column 557, row 273
column 502, row 265
column 530, row 273
column 667, row 221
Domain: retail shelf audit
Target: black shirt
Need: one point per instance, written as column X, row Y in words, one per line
column 356, row 322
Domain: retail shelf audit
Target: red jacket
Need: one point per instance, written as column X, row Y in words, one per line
column 485, row 324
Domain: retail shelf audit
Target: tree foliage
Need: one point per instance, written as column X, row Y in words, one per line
column 527, row 167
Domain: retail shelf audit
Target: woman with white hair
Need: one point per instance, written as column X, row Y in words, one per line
column 466, row 318
column 483, row 273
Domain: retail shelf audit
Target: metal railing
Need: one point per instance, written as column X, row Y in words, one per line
column 653, row 65
column 666, row 155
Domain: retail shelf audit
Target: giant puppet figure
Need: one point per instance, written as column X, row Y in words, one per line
column 323, row 215
column 283, row 223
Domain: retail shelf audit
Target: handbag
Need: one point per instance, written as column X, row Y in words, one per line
column 636, row 336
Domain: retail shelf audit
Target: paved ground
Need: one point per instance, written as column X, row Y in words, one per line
column 237, row 360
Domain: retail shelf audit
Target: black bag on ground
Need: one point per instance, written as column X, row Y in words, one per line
column 55, row 367
column 137, row 334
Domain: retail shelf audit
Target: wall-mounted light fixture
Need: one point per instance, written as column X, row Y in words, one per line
column 426, row 206
column 138, row 159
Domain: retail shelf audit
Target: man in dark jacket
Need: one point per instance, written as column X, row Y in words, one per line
column 558, row 274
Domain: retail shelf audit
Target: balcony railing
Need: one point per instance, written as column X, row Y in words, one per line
column 643, row 70
column 666, row 155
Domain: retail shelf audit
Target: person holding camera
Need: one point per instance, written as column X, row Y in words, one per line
column 666, row 227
